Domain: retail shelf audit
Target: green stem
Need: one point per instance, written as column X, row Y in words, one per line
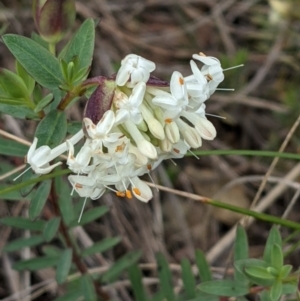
column 35, row 180
column 257, row 215
column 52, row 48
column 246, row 153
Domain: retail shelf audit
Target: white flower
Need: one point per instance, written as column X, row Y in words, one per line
column 145, row 147
column 173, row 103
column 128, row 107
column 39, row 158
column 80, row 163
column 212, row 70
column 87, row 186
column 190, row 135
column 128, row 175
column 203, row 126
column 100, row 133
column 136, row 68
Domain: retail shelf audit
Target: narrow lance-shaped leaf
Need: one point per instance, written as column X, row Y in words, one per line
column 135, row 276
column 51, row 228
column 90, row 216
column 228, row 288
column 36, row 60
column 203, row 267
column 63, row 266
column 88, row 289
column 23, row 223
column 21, row 243
column 27, row 79
column 36, row 263
column 240, row 252
column 188, row 279
column 101, row 246
column 17, row 111
column 12, row 148
column 52, row 129
column 277, row 257
column 62, row 190
column 273, row 238
column 81, row 45
column 275, row 291
column 39, row 199
column 165, row 277
column 118, row 267
column 13, row 84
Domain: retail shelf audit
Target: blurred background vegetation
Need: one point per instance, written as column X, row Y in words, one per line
column 259, row 114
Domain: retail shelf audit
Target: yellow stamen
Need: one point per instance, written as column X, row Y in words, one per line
column 181, row 81
column 176, row 150
column 136, row 191
column 168, row 120
column 128, row 194
column 120, row 194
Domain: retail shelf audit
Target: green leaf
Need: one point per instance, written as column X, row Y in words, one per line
column 276, row 257
column 289, row 288
column 88, row 289
column 259, row 272
column 13, row 195
column 275, row 291
column 21, row 243
column 27, row 79
column 285, row 271
column 23, row 223
column 28, row 175
column 188, row 279
column 165, row 277
column 12, row 84
column 136, row 276
column 62, row 190
column 273, row 238
column 63, row 266
column 39, row 199
column 51, row 228
column 51, row 251
column 36, row 60
column 242, row 264
column 52, row 129
column 36, row 263
column 118, row 267
column 90, row 216
column 229, row 288
column 203, row 267
column 12, row 148
column 241, row 251
column 74, row 127
column 265, row 296
column 102, row 246
column 8, row 100
column 43, row 103
column 81, row 45
column 17, row 111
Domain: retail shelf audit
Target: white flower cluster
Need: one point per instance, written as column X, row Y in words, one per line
column 147, row 123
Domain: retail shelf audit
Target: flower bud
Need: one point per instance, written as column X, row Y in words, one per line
column 53, row 18
column 100, row 101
